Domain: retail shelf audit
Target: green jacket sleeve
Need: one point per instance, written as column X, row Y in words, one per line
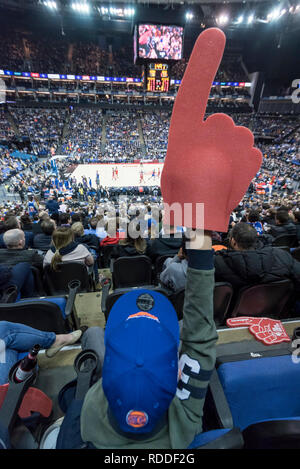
column 197, row 354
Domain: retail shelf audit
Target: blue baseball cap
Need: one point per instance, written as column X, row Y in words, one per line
column 140, row 369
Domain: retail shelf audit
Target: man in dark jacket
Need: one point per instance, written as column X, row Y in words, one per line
column 42, row 241
column 284, row 224
column 15, row 251
column 36, row 227
column 244, row 265
column 52, row 205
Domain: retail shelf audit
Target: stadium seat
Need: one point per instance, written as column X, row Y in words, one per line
column 158, row 267
column 223, row 293
column 132, row 271
column 11, row 405
column 253, row 389
column 222, row 297
column 56, row 282
column 105, row 253
column 267, row 299
column 177, row 300
column 286, row 240
column 9, row 294
column 52, row 314
column 38, row 281
column 296, row 254
column 222, row 438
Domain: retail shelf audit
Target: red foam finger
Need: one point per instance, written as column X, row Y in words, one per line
column 266, row 335
column 241, row 321
column 208, row 162
column 191, row 101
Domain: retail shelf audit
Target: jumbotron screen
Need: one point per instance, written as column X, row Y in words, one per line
column 160, row 42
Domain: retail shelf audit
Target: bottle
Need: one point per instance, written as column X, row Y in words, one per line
column 27, row 365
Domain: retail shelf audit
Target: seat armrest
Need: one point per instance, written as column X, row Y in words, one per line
column 106, row 284
column 219, row 402
column 73, row 286
column 233, row 439
column 273, row 434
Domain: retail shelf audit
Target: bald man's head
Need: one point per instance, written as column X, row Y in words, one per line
column 14, row 239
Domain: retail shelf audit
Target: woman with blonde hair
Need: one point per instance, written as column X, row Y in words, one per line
column 130, row 246
column 65, row 249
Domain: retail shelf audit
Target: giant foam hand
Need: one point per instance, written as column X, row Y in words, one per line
column 267, row 330
column 208, row 161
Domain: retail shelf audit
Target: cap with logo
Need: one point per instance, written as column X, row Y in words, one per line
column 140, row 367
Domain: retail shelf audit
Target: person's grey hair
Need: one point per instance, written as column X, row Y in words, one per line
column 12, row 238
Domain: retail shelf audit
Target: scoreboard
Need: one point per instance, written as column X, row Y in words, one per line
column 157, row 77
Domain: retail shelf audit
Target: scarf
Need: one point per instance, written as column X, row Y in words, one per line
column 67, row 249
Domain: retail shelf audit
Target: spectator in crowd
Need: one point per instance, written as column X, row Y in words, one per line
column 254, row 219
column 52, row 205
column 65, row 219
column 26, row 223
column 96, row 227
column 284, row 224
column 13, row 223
column 65, row 249
column 90, row 240
column 42, row 241
column 19, row 275
column 21, row 338
column 244, row 265
column 130, row 246
column 114, row 232
column 37, row 227
column 173, row 275
column 109, row 404
column 269, row 218
column 16, row 252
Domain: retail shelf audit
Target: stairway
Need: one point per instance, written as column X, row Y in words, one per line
column 64, row 134
column 141, row 137
column 12, row 122
column 103, row 136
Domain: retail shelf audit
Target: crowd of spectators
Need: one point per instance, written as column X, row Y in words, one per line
column 84, row 133
column 52, row 200
column 60, row 220
column 6, row 131
column 24, row 51
column 122, row 135
column 43, row 127
column 91, row 135
column 230, row 69
column 57, row 219
column 11, row 166
column 155, row 130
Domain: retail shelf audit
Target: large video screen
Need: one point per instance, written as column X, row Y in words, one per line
column 160, row 42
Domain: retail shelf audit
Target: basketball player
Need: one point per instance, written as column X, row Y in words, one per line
column 97, row 179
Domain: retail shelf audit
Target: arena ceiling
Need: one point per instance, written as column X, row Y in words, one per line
column 272, row 47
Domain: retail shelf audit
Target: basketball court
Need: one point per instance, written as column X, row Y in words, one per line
column 120, row 175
